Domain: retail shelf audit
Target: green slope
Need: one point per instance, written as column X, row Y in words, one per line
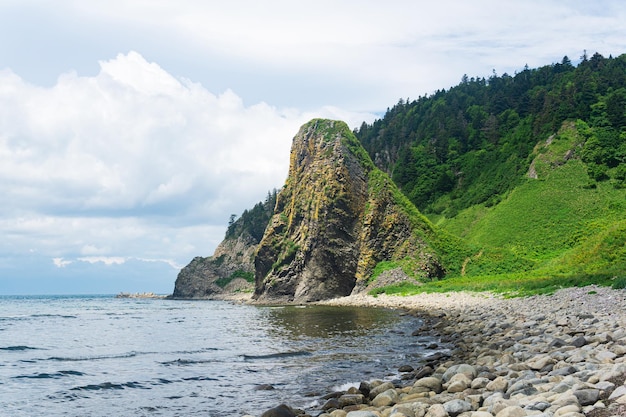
column 528, row 171
column 541, row 219
column 553, row 230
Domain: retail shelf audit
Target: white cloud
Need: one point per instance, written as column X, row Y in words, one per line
column 60, row 262
column 134, row 163
column 113, row 260
column 394, row 49
column 107, row 260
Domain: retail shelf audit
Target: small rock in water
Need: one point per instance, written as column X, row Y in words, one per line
column 405, row 368
column 365, row 388
column 425, row 371
column 282, row 410
column 334, row 394
column 264, row 387
column 331, row 404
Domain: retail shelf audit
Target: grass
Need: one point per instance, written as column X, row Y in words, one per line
column 548, row 233
column 409, row 265
column 223, row 282
column 541, row 220
column 508, row 285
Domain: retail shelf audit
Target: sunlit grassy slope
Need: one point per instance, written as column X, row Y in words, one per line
column 559, row 229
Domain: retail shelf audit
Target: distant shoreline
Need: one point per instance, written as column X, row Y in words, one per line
column 140, row 295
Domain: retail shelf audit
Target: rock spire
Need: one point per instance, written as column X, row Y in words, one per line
column 336, row 219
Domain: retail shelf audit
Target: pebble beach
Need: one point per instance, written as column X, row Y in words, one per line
column 561, row 355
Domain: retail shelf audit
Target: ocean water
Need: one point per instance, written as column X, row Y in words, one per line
column 104, row 356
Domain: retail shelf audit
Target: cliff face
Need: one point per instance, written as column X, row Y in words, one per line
column 336, row 218
column 196, row 280
column 225, row 271
column 231, row 268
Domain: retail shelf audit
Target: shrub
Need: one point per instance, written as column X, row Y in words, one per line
column 619, row 283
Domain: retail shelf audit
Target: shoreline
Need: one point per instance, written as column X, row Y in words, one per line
column 560, row 355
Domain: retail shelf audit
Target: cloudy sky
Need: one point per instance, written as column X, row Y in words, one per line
column 130, row 130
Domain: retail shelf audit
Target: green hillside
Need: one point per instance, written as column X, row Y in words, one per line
column 528, row 171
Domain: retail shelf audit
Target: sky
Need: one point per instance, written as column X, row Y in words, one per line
column 130, row 130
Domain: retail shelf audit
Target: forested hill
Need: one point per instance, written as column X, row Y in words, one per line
column 522, row 179
column 473, row 143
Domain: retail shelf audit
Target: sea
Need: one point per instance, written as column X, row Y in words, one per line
column 106, row 356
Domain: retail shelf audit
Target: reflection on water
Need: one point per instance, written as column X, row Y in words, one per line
column 324, row 347
column 328, row 321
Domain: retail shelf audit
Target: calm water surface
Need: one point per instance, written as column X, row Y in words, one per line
column 102, row 356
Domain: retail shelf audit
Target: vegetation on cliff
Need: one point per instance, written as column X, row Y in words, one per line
column 528, row 170
column 336, row 219
column 471, row 144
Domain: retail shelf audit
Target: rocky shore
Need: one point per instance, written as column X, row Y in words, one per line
column 562, row 355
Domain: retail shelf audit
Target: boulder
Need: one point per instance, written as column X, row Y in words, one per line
column 351, row 399
column 512, row 411
column 587, row 396
column 362, row 413
column 498, row 384
column 465, row 369
column 458, row 383
column 618, row 393
column 540, row 362
column 437, row 410
column 380, row 388
column 456, row 407
column 429, row 383
column 386, row 398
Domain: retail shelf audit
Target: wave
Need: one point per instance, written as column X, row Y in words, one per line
column 97, row 357
column 63, row 316
column 278, row 355
column 200, row 378
column 136, row 385
column 55, row 375
column 19, row 347
column 35, row 316
column 127, row 355
column 109, row 386
column 192, row 352
column 184, row 362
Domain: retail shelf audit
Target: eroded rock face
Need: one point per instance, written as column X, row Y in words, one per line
column 196, row 280
column 231, row 268
column 199, row 279
column 336, row 218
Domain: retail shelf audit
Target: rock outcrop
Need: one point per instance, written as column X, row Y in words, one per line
column 231, row 268
column 225, row 271
column 336, row 219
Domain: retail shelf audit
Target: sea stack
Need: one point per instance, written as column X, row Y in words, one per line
column 335, row 220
